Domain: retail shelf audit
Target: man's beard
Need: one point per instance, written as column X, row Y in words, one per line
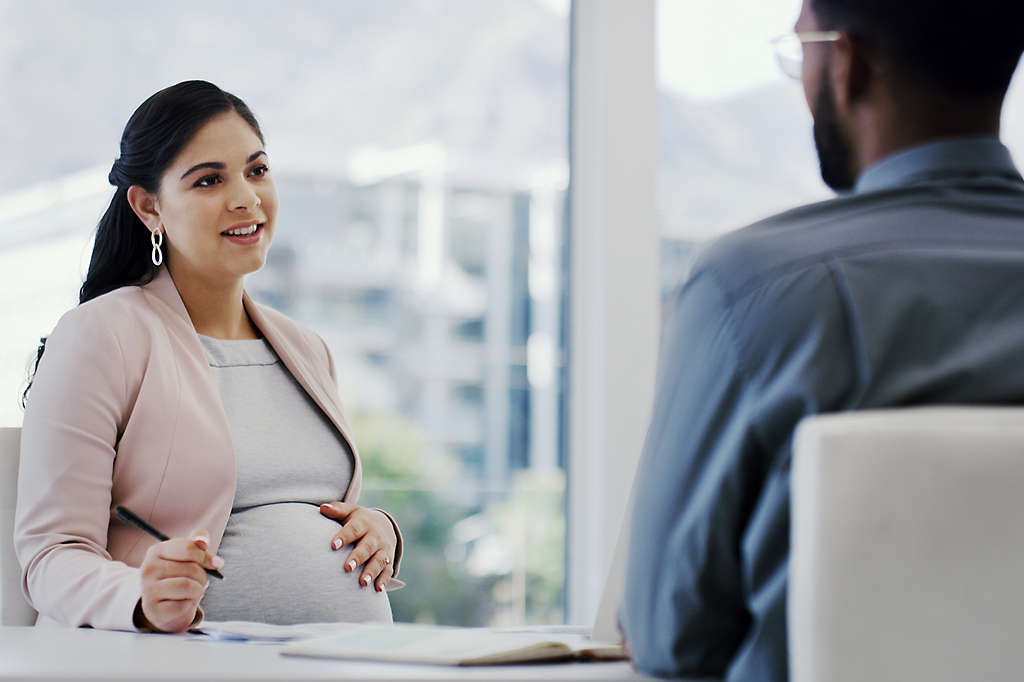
column 835, row 154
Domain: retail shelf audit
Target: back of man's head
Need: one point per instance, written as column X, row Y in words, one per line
column 967, row 47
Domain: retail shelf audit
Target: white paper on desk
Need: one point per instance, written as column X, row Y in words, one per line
column 261, row 633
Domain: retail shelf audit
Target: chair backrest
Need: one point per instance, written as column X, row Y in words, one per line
column 14, row 610
column 907, row 557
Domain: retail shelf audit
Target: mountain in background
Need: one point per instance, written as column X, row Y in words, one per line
column 727, row 163
column 488, row 81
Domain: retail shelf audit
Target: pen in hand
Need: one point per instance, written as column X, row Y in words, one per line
column 129, row 516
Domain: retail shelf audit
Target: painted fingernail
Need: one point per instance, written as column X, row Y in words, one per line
column 201, row 540
column 337, row 543
column 217, row 562
column 366, row 580
column 379, row 588
column 352, row 565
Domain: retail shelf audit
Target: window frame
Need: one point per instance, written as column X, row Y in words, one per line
column 613, row 280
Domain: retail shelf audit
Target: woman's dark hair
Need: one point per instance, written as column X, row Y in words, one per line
column 153, row 137
column 964, row 47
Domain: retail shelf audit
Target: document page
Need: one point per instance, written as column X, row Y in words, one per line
column 249, row 631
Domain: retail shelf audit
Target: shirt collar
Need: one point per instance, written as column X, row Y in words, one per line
column 952, row 158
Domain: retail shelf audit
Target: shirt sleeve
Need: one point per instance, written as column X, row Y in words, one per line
column 68, row 444
column 683, row 610
column 708, row 559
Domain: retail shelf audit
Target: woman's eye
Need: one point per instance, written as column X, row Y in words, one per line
column 260, row 170
column 207, row 181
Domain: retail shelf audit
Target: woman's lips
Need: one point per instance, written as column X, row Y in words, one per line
column 245, row 239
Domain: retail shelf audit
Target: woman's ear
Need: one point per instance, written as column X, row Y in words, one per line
column 144, row 204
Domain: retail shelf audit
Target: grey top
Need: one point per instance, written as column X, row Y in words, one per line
column 910, row 291
column 279, row 566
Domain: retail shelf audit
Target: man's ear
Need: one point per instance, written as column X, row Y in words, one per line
column 145, row 206
column 851, row 72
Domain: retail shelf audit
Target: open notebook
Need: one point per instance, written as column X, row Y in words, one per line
column 450, row 645
column 478, row 646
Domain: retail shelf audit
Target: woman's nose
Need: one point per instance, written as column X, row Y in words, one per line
column 245, row 197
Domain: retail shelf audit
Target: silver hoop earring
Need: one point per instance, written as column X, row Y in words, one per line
column 157, row 240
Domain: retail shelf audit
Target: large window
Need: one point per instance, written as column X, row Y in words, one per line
column 734, row 135
column 419, row 150
column 735, row 140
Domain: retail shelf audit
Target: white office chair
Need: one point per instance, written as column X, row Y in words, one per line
column 907, row 559
column 14, row 610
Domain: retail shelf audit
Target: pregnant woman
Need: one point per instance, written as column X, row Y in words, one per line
column 169, row 391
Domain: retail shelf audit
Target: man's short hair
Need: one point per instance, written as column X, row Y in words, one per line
column 959, row 46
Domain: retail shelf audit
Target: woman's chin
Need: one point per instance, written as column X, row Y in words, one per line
column 248, row 265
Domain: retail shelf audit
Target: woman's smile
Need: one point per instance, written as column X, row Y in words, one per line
column 244, row 233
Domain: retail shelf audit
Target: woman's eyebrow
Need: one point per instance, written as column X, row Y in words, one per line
column 218, row 165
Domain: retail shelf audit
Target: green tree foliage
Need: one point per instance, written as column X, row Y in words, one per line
column 532, row 521
column 398, row 478
column 467, row 560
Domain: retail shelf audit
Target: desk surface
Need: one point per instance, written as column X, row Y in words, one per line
column 53, row 653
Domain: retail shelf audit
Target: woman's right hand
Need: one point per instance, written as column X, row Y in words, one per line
column 173, row 582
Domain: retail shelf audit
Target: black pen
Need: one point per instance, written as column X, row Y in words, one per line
column 128, row 516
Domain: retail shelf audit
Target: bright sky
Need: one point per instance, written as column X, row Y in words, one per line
column 713, row 48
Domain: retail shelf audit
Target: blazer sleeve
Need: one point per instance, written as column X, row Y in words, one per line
column 73, row 419
column 398, row 531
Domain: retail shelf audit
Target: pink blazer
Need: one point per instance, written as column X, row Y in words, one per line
column 124, row 411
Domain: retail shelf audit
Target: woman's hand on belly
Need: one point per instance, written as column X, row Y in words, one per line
column 374, row 539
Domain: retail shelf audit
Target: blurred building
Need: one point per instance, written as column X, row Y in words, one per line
column 440, row 296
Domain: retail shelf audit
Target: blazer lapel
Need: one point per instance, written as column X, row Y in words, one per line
column 293, row 358
column 180, row 324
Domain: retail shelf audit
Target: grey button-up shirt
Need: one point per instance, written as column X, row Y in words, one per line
column 908, row 291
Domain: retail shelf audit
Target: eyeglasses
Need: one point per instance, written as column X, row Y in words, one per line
column 789, row 49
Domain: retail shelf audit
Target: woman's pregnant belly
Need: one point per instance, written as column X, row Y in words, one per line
column 279, row 568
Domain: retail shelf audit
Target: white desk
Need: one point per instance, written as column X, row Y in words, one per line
column 58, row 654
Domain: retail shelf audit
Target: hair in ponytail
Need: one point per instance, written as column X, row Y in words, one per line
column 153, row 137
column 120, row 252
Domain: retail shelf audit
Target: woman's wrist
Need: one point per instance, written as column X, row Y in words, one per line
column 397, row 558
column 140, row 621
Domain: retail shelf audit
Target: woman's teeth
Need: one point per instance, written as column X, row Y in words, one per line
column 242, row 231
